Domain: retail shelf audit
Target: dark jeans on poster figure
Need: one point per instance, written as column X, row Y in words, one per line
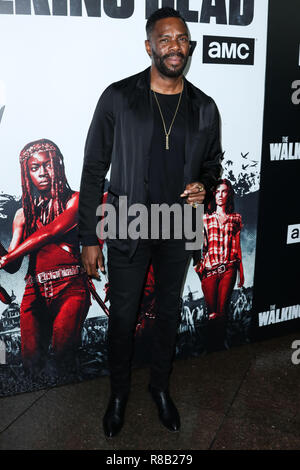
column 126, row 281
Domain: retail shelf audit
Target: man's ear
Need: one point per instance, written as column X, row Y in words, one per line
column 148, row 47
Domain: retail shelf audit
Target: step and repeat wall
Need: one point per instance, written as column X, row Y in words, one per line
column 277, row 276
column 57, row 57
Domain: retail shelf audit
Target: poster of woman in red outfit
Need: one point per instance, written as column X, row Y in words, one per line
column 56, row 298
column 221, row 260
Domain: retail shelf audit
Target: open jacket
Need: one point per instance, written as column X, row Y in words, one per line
column 120, row 135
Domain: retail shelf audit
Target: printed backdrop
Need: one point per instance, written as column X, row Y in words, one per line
column 277, row 297
column 56, row 59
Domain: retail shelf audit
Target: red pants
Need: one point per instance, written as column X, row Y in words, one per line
column 54, row 310
column 217, row 290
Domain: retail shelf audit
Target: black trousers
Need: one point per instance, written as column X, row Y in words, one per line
column 126, row 281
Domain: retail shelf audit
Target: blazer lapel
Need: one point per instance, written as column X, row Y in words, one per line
column 145, row 116
column 191, row 128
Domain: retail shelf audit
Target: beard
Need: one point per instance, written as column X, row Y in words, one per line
column 171, row 72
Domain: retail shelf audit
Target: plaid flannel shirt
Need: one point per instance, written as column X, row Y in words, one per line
column 220, row 244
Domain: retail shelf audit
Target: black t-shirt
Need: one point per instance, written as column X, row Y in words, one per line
column 166, row 166
column 166, row 169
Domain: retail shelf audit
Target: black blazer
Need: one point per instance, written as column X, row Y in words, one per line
column 120, row 135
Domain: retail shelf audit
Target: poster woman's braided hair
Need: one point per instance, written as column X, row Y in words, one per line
column 60, row 191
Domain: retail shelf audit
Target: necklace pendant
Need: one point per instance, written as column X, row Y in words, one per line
column 167, row 142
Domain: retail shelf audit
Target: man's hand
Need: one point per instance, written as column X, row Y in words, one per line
column 92, row 260
column 195, row 193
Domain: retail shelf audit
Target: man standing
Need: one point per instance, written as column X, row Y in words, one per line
column 160, row 134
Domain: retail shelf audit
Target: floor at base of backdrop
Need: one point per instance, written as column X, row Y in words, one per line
column 243, row 398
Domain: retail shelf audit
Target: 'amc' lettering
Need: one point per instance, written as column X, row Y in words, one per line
column 228, row 50
column 236, row 12
column 293, row 234
column 296, row 94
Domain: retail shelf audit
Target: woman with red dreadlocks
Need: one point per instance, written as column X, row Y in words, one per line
column 56, row 299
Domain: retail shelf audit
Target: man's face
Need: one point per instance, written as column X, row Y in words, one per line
column 169, row 46
column 41, row 171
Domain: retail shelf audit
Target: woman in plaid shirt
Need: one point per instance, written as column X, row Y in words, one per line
column 221, row 258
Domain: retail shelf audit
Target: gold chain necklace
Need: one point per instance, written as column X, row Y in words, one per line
column 167, row 133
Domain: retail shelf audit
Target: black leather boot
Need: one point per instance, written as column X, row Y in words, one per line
column 167, row 411
column 113, row 419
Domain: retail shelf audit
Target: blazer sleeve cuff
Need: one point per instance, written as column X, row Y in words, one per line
column 89, row 240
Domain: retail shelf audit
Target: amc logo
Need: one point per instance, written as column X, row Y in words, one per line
column 293, row 234
column 228, row 50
